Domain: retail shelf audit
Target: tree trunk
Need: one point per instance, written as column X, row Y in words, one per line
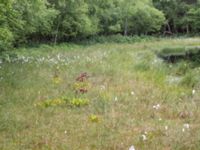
column 187, row 29
column 126, row 27
column 57, row 30
column 168, row 30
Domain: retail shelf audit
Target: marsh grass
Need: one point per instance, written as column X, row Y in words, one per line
column 126, row 82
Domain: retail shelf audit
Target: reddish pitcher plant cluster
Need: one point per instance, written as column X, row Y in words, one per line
column 81, row 85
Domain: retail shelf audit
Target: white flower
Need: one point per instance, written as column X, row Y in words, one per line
column 58, row 56
column 132, row 93
column 166, row 127
column 103, row 87
column 65, row 132
column 132, row 148
column 193, row 91
column 186, row 126
column 156, row 106
column 116, row 99
column 144, row 137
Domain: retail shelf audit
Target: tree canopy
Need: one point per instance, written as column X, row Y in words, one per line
column 62, row 20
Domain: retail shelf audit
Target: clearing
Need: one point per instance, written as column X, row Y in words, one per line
column 99, row 97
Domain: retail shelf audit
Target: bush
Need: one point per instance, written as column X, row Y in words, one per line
column 77, row 102
column 116, row 39
column 6, row 39
column 175, row 54
column 146, row 20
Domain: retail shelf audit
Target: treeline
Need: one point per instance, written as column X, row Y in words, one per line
column 182, row 16
column 22, row 21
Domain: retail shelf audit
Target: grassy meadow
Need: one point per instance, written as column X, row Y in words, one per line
column 106, row 96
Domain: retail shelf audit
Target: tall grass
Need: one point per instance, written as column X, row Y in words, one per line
column 127, row 99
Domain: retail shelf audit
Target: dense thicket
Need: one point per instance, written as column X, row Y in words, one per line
column 182, row 16
column 22, row 21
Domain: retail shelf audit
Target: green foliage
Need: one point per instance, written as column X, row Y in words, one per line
column 9, row 24
column 23, row 21
column 181, row 15
column 6, row 39
column 37, row 16
column 78, row 102
column 73, row 19
column 146, row 20
column 181, row 68
column 108, row 15
column 75, row 102
column 50, row 103
column 189, row 80
column 117, row 39
column 94, row 118
column 174, row 54
column 63, row 20
column 121, row 100
column 143, row 66
column 194, row 18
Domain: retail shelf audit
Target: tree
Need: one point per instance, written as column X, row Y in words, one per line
column 24, row 19
column 193, row 16
column 37, row 16
column 107, row 14
column 73, row 19
column 140, row 17
column 176, row 14
column 9, row 24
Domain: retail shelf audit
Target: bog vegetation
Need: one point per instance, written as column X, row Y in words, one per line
column 99, row 75
column 106, row 96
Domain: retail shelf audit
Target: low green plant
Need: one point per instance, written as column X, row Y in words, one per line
column 174, row 54
column 143, row 66
column 51, row 102
column 94, row 118
column 78, row 102
column 189, row 80
column 8, row 56
column 117, row 39
column 181, row 68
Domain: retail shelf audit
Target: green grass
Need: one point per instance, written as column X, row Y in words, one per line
column 126, row 83
column 175, row 54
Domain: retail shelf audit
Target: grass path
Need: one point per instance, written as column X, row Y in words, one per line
column 130, row 100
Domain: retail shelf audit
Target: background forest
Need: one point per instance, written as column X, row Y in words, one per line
column 23, row 21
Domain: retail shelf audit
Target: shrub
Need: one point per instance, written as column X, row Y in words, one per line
column 51, row 102
column 146, row 20
column 77, row 102
column 6, row 39
column 174, row 54
column 116, row 39
column 94, row 118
